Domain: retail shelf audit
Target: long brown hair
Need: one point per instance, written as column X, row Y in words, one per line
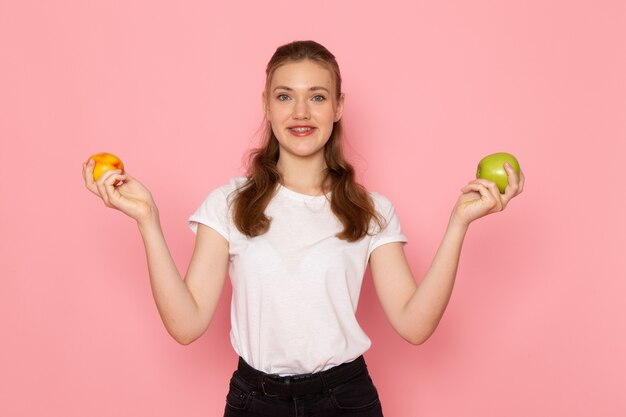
column 349, row 200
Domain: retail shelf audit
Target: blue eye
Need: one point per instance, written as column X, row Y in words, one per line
column 319, row 98
column 282, row 97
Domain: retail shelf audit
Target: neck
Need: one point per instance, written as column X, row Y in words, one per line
column 302, row 175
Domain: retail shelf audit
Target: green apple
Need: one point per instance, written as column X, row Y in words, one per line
column 491, row 168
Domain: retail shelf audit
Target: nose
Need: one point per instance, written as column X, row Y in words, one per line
column 301, row 110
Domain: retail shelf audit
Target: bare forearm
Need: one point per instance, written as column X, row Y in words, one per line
column 415, row 310
column 430, row 299
column 175, row 303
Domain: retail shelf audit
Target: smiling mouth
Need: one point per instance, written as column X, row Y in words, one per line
column 301, row 129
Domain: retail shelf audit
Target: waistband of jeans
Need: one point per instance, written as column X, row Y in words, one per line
column 273, row 385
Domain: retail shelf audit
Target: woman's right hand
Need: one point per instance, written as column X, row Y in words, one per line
column 121, row 191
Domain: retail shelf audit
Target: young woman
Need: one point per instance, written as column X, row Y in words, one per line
column 295, row 237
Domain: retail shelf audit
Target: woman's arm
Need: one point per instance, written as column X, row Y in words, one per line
column 415, row 310
column 186, row 306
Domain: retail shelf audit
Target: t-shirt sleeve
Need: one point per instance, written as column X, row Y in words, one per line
column 214, row 213
column 390, row 230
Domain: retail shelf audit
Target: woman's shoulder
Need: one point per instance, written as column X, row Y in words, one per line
column 383, row 206
column 235, row 183
column 229, row 187
column 225, row 192
column 380, row 201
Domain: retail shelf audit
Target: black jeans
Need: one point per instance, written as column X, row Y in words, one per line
column 352, row 395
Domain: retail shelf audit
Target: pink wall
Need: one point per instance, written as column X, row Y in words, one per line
column 536, row 326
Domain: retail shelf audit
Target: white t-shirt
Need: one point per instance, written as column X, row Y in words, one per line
column 296, row 287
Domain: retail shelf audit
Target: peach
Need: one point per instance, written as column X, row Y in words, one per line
column 104, row 162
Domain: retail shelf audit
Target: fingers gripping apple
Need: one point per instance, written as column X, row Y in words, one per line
column 491, row 168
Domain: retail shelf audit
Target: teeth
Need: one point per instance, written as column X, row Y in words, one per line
column 301, row 129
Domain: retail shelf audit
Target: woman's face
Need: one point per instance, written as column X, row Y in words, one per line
column 301, row 106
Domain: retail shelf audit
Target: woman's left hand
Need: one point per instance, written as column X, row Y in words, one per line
column 482, row 197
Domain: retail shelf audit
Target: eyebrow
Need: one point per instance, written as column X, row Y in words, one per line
column 315, row 88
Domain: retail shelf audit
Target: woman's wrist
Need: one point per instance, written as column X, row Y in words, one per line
column 149, row 220
column 458, row 224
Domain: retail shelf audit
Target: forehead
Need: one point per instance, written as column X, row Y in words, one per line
column 303, row 74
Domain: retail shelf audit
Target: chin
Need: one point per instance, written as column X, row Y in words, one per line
column 303, row 151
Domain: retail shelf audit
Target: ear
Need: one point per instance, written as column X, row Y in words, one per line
column 339, row 109
column 264, row 104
